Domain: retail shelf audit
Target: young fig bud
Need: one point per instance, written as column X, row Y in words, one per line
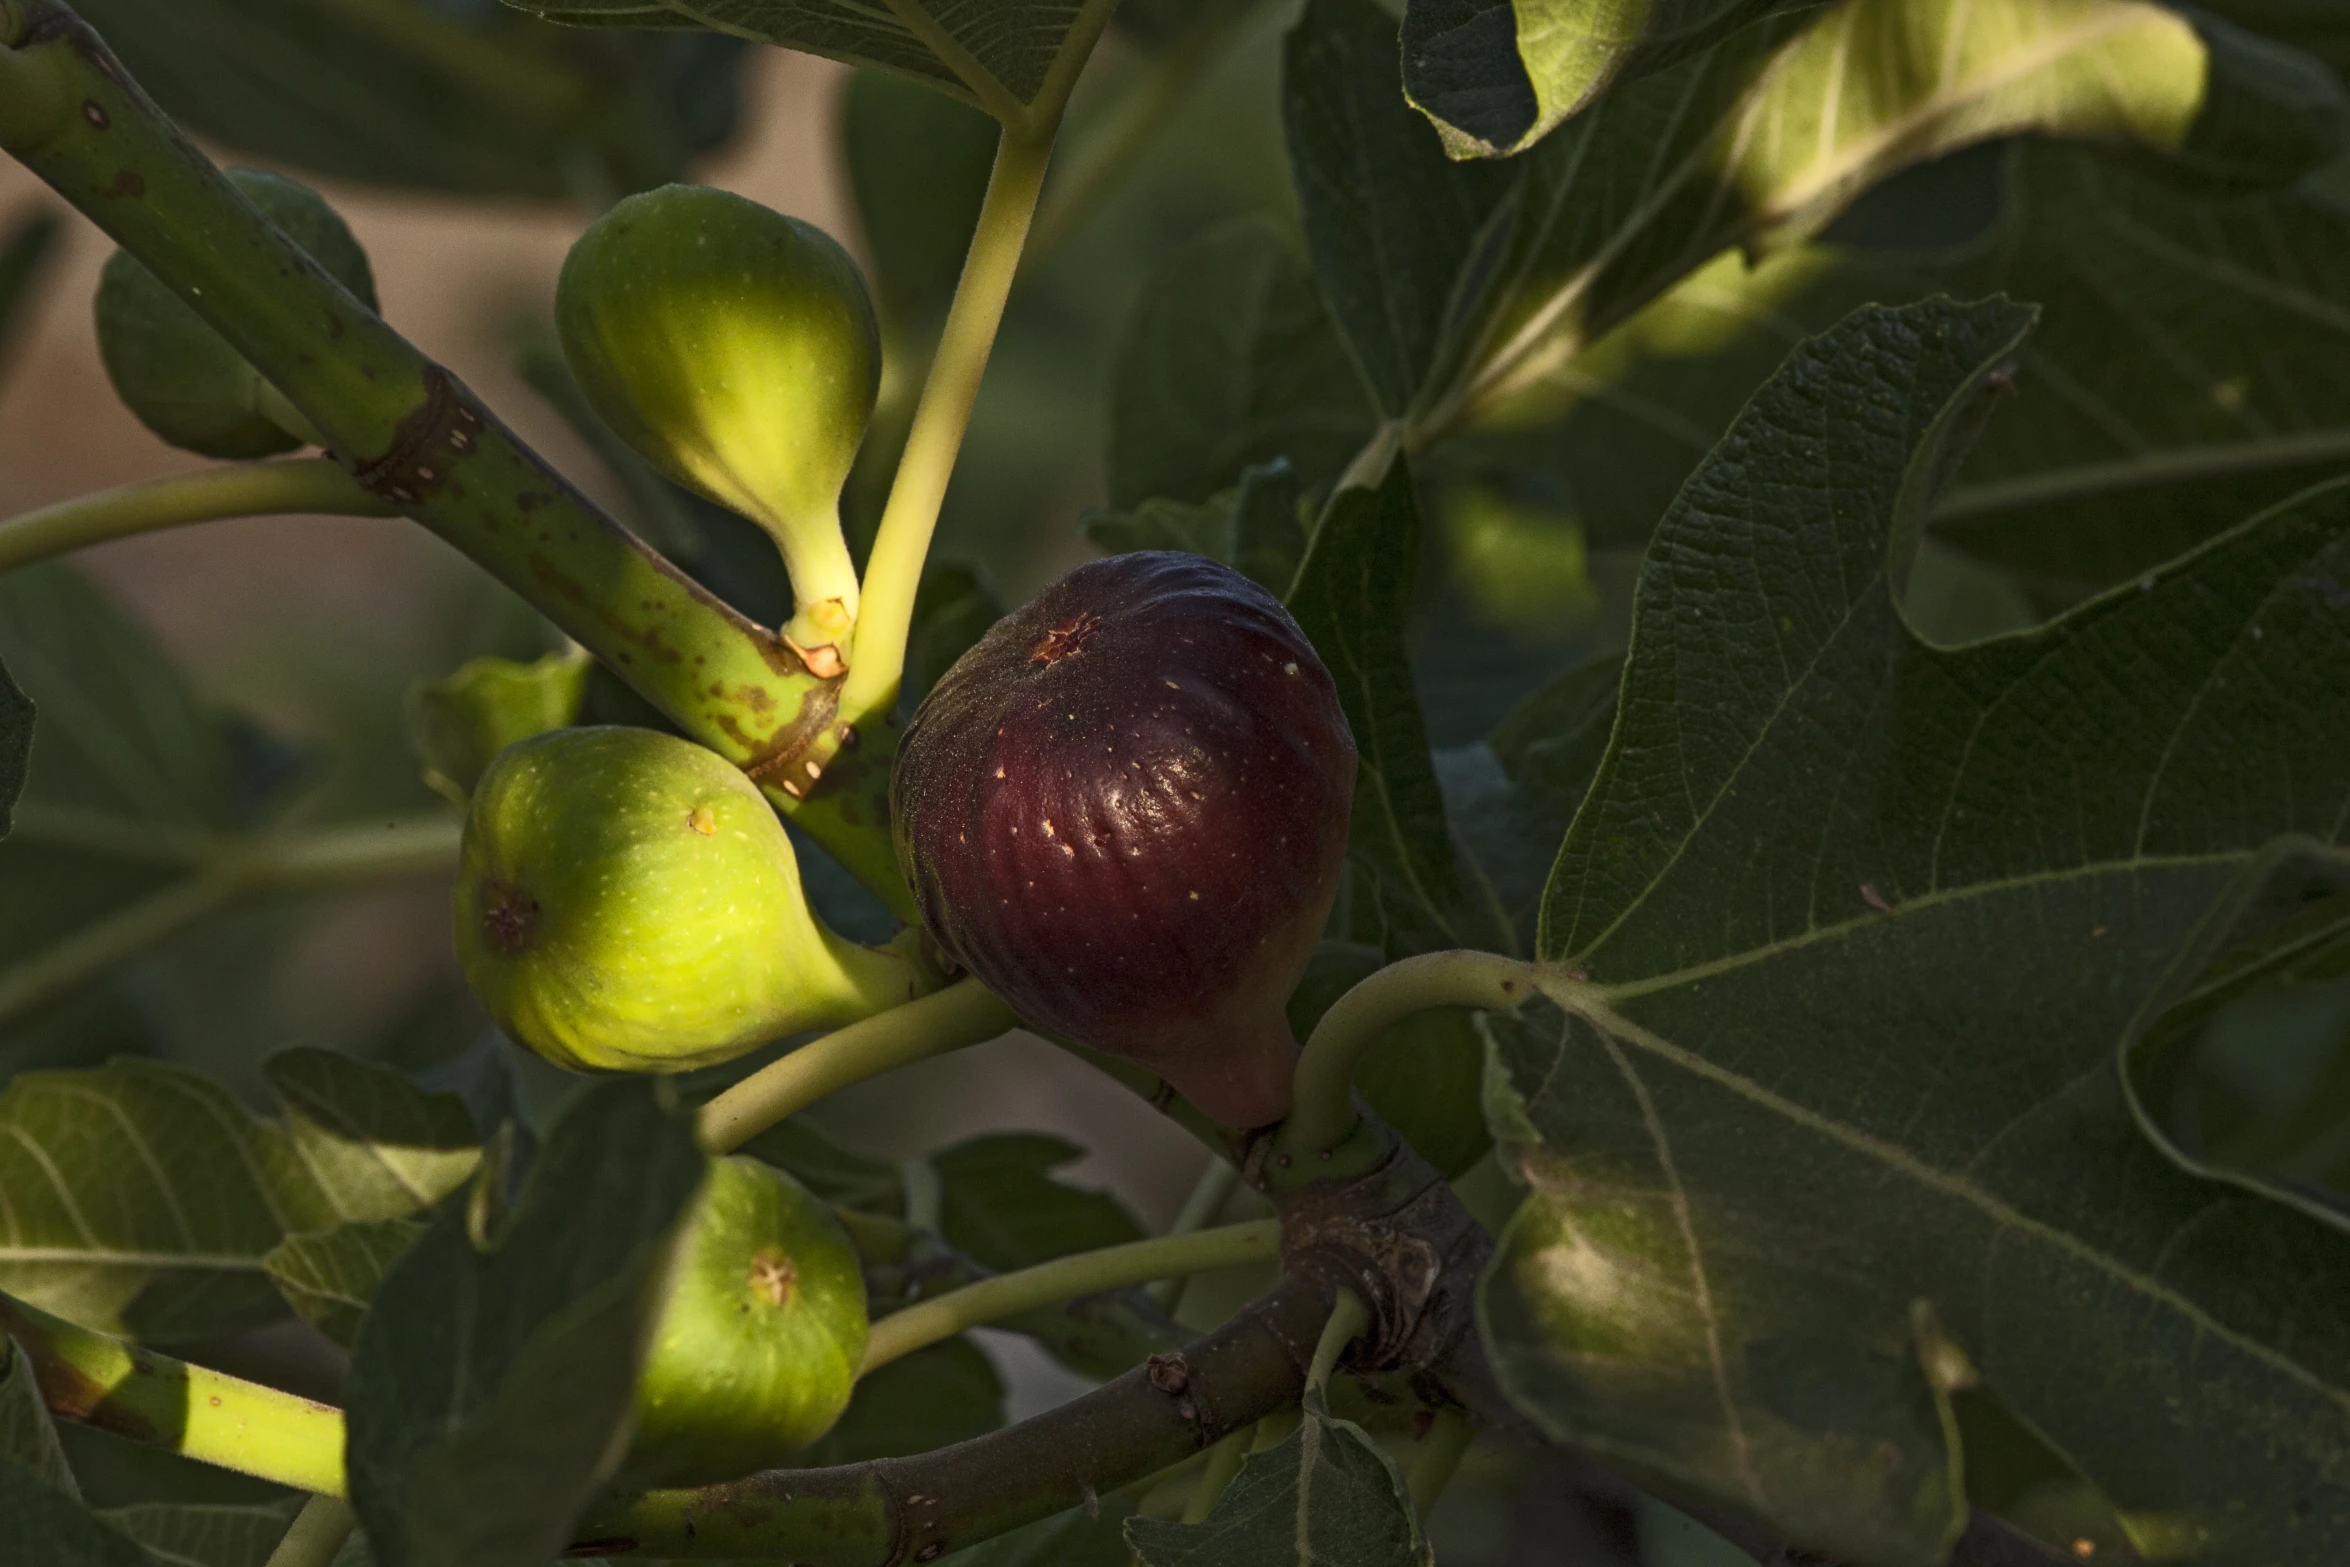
column 736, row 348
column 181, row 377
column 1125, row 810
column 627, row 901
column 757, row 1349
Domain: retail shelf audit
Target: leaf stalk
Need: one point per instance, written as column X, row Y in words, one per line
column 296, row 486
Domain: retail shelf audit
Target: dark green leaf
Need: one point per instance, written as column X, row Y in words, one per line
column 454, row 1458
column 1327, row 1494
column 1013, row 43
column 16, row 746
column 432, row 97
column 51, row 1528
column 999, row 1202
column 2240, row 1068
column 1077, row 1538
column 2319, row 26
column 1353, row 598
column 952, row 611
column 28, row 1441
column 457, row 725
column 932, row 1398
column 839, row 1175
column 1230, row 359
column 141, row 1200
column 330, row 1276
column 1253, row 528
column 1496, row 75
column 201, row 1534
column 1403, row 240
column 918, row 166
column 1848, row 934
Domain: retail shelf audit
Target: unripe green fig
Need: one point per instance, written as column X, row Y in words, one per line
column 757, row 1348
column 627, row 901
column 736, row 348
column 182, row 378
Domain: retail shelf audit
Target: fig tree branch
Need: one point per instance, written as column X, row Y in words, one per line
column 964, row 1013
column 411, row 434
column 311, row 485
column 1065, row 1278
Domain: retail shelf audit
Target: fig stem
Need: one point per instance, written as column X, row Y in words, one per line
column 1348, row 1318
column 1066, row 1278
column 300, row 485
column 316, row 1534
column 152, row 1399
column 893, row 572
column 965, row 1013
column 1325, row 1110
column 1207, row 1199
column 1224, row 1461
column 1438, row 1458
column 228, row 868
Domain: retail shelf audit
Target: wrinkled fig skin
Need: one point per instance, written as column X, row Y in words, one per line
column 757, row 1348
column 1125, row 810
column 180, row 376
column 627, row 901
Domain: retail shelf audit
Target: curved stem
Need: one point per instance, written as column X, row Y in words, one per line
column 1224, row 1461
column 893, row 573
column 258, row 489
column 965, row 1013
column 1348, row 1318
column 1066, row 1278
column 1438, row 1458
column 197, row 1413
column 1325, row 1110
column 1207, row 1199
column 234, row 867
column 317, row 1534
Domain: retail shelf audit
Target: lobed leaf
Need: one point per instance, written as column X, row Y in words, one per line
column 1850, row 929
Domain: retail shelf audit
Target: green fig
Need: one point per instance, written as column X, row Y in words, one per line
column 181, row 377
column 627, row 901
column 736, row 348
column 758, row 1346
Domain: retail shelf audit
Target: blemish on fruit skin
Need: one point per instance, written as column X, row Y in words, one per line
column 703, row 820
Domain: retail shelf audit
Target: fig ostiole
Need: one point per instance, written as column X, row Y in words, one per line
column 1125, row 810
column 628, row 901
column 179, row 376
column 760, row 1338
column 737, row 349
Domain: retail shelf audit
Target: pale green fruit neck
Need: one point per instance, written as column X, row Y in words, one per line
column 823, row 580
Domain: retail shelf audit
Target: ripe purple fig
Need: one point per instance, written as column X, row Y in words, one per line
column 1125, row 810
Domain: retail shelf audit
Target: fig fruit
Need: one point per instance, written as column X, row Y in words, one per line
column 627, row 901
column 757, row 1348
column 736, row 348
column 1125, row 810
column 182, row 378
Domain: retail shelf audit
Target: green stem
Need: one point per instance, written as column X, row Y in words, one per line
column 197, row 1413
column 1438, row 1458
column 317, row 1534
column 305, row 485
column 1224, row 1461
column 1207, row 1199
column 893, row 573
column 964, row 1013
column 1066, row 1278
column 1348, row 1318
column 415, row 437
column 1325, row 1110
column 335, row 856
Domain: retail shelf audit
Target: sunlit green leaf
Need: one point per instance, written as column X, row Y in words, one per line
column 1848, row 933
column 431, row 97
column 330, row 1277
column 454, row 1461
column 458, row 724
column 1326, row 1494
